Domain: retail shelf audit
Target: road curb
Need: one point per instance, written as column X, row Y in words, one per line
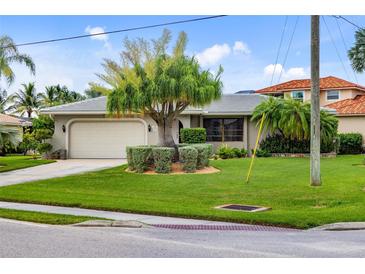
column 341, row 226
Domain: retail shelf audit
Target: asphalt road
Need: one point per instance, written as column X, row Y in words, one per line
column 20, row 239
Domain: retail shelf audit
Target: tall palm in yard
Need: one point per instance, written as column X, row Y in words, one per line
column 5, row 101
column 10, row 55
column 357, row 52
column 27, row 100
column 50, row 97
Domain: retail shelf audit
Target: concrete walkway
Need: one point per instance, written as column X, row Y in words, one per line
column 60, row 168
column 147, row 219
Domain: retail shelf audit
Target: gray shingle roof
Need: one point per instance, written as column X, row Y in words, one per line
column 230, row 103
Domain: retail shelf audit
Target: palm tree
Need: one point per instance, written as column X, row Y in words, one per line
column 357, row 53
column 9, row 55
column 27, row 100
column 5, row 101
column 295, row 119
column 272, row 108
column 8, row 135
column 50, row 97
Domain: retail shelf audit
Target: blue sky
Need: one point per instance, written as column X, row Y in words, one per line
column 246, row 47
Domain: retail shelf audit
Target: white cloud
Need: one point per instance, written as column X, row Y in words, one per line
column 95, row 30
column 241, row 47
column 290, row 74
column 213, row 55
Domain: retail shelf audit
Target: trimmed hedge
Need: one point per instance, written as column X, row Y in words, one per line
column 204, row 153
column 279, row 144
column 139, row 158
column 188, row 157
column 162, row 157
column 193, row 135
column 350, row 143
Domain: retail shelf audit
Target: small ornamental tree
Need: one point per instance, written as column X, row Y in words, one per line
column 152, row 81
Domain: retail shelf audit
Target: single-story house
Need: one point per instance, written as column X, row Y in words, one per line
column 85, row 130
column 14, row 122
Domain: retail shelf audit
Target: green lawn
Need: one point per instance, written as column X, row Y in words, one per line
column 280, row 183
column 9, row 163
column 40, row 217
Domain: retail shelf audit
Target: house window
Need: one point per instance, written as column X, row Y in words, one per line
column 333, row 95
column 297, row 95
column 223, row 129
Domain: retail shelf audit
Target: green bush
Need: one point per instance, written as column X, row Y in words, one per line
column 204, row 153
column 44, row 148
column 162, row 157
column 226, row 152
column 262, row 153
column 140, row 157
column 350, row 143
column 193, row 135
column 279, row 144
column 188, row 157
column 130, row 158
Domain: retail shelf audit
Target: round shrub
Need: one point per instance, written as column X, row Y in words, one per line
column 193, row 135
column 162, row 157
column 130, row 158
column 350, row 143
column 140, row 158
column 188, row 157
column 204, row 153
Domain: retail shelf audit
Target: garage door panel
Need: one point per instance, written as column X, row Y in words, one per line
column 104, row 139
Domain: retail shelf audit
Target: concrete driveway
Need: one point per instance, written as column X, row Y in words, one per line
column 60, row 168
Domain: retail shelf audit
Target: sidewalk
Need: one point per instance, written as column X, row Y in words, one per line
column 148, row 219
column 155, row 221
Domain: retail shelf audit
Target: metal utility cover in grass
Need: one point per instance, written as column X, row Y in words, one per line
column 246, row 208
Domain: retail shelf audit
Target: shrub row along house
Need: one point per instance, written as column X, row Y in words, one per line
column 85, row 130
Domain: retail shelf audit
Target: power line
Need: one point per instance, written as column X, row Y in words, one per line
column 117, row 31
column 347, row 20
column 334, row 45
column 345, row 46
column 279, row 49
column 288, row 49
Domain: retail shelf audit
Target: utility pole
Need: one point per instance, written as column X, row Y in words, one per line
column 315, row 141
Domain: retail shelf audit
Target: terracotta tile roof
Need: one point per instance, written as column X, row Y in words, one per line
column 349, row 106
column 329, row 82
column 11, row 120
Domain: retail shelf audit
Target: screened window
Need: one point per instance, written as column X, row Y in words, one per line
column 333, row 95
column 297, row 95
column 223, row 129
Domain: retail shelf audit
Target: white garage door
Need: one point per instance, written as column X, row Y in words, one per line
column 104, row 139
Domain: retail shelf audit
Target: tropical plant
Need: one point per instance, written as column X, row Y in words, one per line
column 291, row 118
column 357, row 53
column 27, row 100
column 8, row 135
column 9, row 55
column 90, row 93
column 272, row 108
column 5, row 101
column 50, row 97
column 163, row 85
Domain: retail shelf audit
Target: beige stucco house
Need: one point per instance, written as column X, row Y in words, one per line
column 13, row 122
column 85, row 130
column 345, row 98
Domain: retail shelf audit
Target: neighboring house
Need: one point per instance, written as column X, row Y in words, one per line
column 85, row 130
column 14, row 122
column 351, row 115
column 332, row 89
column 346, row 98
